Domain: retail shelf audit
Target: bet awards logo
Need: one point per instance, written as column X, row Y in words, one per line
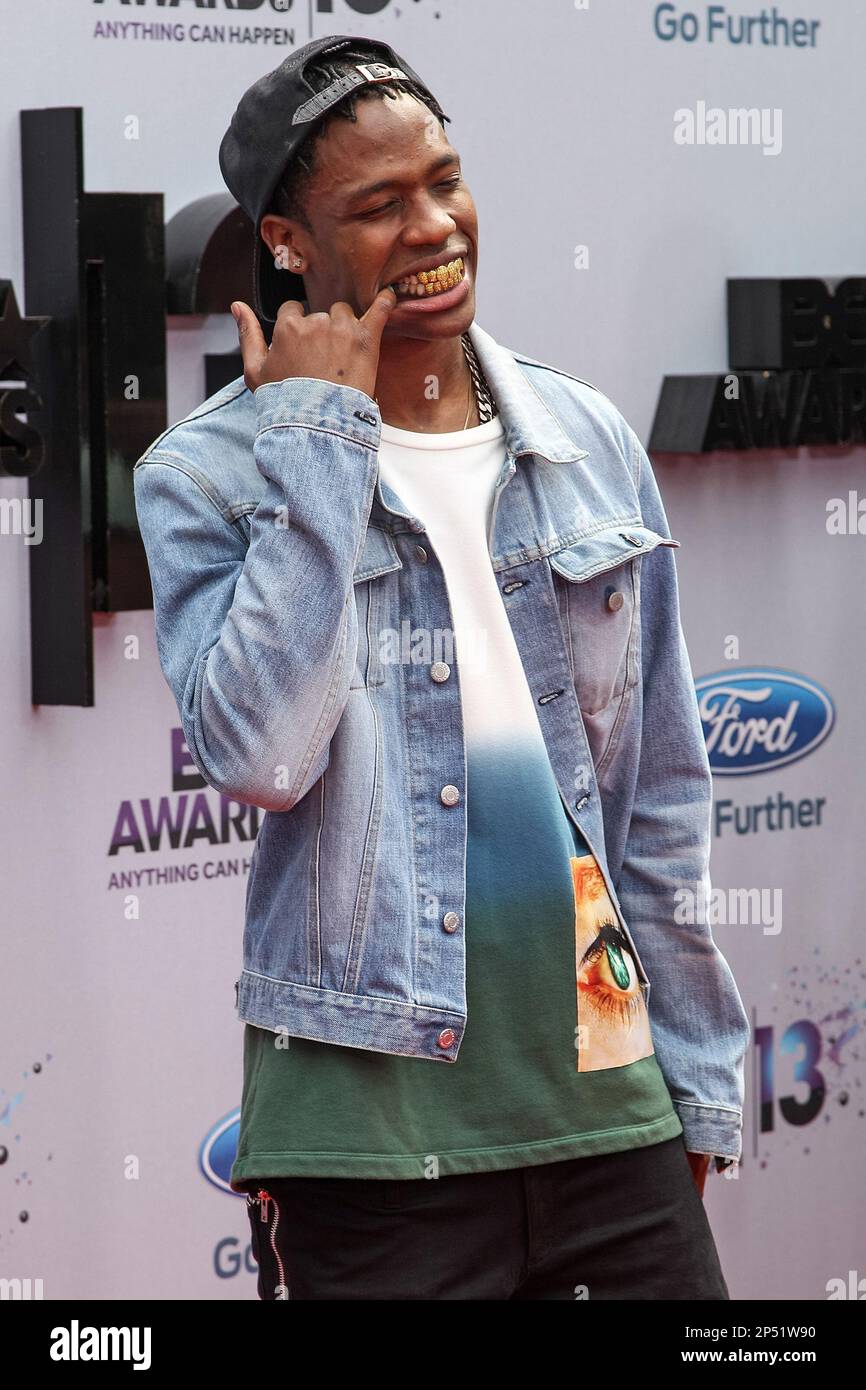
column 364, row 7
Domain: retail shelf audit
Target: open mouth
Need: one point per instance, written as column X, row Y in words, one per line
column 427, row 283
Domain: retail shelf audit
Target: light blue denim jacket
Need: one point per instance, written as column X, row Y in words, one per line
column 279, row 558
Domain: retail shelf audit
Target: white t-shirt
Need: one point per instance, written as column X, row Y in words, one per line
column 448, row 481
column 522, row 843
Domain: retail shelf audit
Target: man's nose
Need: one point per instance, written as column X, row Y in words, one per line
column 427, row 221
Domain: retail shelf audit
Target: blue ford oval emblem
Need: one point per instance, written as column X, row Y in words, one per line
column 217, row 1153
column 760, row 719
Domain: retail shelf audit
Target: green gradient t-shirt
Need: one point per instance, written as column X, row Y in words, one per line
column 557, row 1057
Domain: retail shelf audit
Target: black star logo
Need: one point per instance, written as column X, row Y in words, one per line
column 15, row 334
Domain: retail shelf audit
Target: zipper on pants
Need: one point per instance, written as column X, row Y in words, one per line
column 263, row 1200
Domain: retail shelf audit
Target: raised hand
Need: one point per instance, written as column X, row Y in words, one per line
column 335, row 346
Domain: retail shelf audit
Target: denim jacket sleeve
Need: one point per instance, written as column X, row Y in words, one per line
column 700, row 1028
column 257, row 636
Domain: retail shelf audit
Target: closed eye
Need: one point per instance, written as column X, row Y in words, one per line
column 374, row 212
column 383, row 207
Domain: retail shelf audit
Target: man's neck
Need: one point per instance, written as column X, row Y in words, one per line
column 425, row 385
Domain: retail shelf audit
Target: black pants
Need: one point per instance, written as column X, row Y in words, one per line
column 628, row 1225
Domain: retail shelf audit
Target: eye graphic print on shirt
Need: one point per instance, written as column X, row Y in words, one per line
column 612, row 1018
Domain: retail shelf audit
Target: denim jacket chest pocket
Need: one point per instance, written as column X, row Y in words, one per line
column 597, row 585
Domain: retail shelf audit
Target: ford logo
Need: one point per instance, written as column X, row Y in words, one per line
column 760, row 719
column 217, row 1153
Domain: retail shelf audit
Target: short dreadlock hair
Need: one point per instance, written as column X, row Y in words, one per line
column 289, row 195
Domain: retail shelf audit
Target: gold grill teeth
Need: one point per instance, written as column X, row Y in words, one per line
column 442, row 272
column 443, row 277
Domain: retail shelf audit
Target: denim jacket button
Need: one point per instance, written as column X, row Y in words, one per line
column 615, row 600
column 421, row 554
column 451, row 921
column 449, row 795
column 446, row 1037
column 440, row 671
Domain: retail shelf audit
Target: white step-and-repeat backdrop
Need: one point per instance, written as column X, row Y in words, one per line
column 606, row 238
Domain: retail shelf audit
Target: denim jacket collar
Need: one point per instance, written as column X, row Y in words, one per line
column 529, row 423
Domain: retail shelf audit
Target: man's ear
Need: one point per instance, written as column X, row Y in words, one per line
column 277, row 235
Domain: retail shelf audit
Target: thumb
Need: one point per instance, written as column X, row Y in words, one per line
column 251, row 339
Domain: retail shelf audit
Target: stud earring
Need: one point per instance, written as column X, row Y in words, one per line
column 298, row 264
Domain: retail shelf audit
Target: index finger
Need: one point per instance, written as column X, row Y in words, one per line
column 292, row 308
column 376, row 316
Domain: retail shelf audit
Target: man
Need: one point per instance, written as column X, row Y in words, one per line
column 415, row 596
